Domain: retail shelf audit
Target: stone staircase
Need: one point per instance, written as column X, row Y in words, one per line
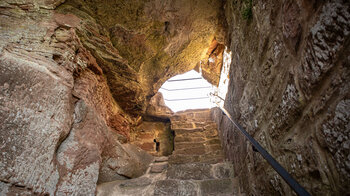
column 195, row 168
column 196, row 138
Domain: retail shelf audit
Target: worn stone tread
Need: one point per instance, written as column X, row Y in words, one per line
column 161, row 159
column 158, row 167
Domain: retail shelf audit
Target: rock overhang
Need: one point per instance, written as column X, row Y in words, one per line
column 139, row 45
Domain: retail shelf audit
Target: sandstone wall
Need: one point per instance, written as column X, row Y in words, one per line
column 149, row 133
column 154, row 127
column 289, row 88
column 61, row 130
column 76, row 74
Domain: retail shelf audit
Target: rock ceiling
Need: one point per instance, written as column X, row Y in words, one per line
column 140, row 44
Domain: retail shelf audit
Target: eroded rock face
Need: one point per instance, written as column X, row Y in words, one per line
column 33, row 121
column 92, row 153
column 59, row 122
column 139, row 45
column 210, row 68
column 158, row 109
column 290, row 89
column 74, row 74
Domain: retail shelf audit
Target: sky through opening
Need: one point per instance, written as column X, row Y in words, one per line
column 191, row 91
column 187, row 91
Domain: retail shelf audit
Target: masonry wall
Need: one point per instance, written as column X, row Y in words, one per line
column 289, row 88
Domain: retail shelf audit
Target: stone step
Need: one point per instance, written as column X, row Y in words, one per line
column 207, row 155
column 180, row 138
column 199, row 140
column 185, row 145
column 165, row 187
column 213, row 141
column 212, row 159
column 183, row 179
column 159, row 167
column 190, row 171
column 206, row 158
column 210, row 133
column 195, row 150
column 187, row 148
column 194, row 188
column 195, row 167
column 213, row 147
column 125, row 187
column 200, row 171
column 190, row 130
column 161, row 159
column 193, row 125
column 175, row 187
column 216, row 187
column 203, row 115
column 190, row 119
column 210, row 125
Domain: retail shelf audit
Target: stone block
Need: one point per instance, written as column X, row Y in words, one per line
column 213, row 141
column 192, row 151
column 146, row 136
column 223, row 170
column 175, row 187
column 181, row 139
column 137, row 182
column 148, row 146
column 216, row 187
column 159, row 167
column 188, row 145
column 180, row 125
column 215, row 147
column 161, row 159
column 180, row 158
column 195, row 171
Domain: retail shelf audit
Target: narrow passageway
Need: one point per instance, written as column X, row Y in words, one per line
column 119, row 97
column 196, row 166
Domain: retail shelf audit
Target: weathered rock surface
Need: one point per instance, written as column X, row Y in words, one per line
column 196, row 138
column 36, row 115
column 180, row 173
column 123, row 162
column 59, row 122
column 290, row 89
column 217, row 179
column 154, row 137
column 55, row 147
column 139, row 45
column 62, row 126
column 157, row 108
column 158, row 167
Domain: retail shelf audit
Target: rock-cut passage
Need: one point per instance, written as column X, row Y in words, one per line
column 196, row 167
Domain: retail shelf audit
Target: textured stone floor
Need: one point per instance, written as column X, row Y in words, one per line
column 196, row 167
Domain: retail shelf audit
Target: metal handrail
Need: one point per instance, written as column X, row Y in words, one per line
column 297, row 188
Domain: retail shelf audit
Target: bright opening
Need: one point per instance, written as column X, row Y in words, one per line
column 221, row 91
column 191, row 91
column 187, row 91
